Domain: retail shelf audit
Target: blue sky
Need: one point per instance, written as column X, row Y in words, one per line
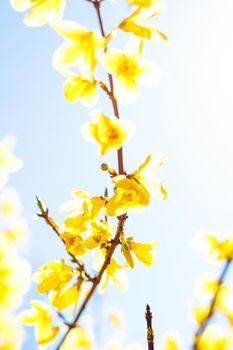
column 188, row 117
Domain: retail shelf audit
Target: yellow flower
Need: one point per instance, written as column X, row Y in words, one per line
column 78, row 338
column 52, row 276
column 215, row 338
column 40, row 315
column 143, row 251
column 207, row 285
column 11, row 334
column 145, row 3
column 129, row 194
column 108, row 132
column 9, row 203
column 83, row 210
column 145, row 175
column 74, row 243
column 14, row 275
column 41, row 11
column 114, row 273
column 210, row 244
column 224, row 303
column 64, row 297
column 129, row 70
column 8, row 162
column 135, row 25
column 82, row 47
column 99, row 232
column 200, row 313
column 81, row 89
column 16, row 231
column 170, row 342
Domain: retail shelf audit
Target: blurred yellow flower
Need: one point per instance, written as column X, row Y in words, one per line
column 170, row 342
column 215, row 338
column 11, row 335
column 40, row 315
column 78, row 338
column 82, row 48
column 14, row 275
column 200, row 313
column 41, row 11
column 52, row 276
column 9, row 203
column 108, row 132
column 8, row 162
column 81, row 89
column 129, row 194
column 216, row 248
column 130, row 70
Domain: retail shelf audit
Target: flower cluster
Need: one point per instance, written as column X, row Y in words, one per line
column 14, row 271
column 90, row 229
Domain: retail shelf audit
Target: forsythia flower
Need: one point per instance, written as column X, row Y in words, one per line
column 52, row 276
column 108, row 132
column 77, row 88
column 218, row 249
column 8, row 162
column 10, row 332
column 200, row 313
column 9, row 203
column 129, row 70
column 145, row 175
column 40, row 315
column 135, row 25
column 145, row 3
column 78, row 338
column 129, row 194
column 114, row 273
column 215, row 338
column 170, row 342
column 83, row 210
column 14, row 274
column 141, row 250
column 41, row 11
column 74, row 243
column 82, row 47
column 99, row 232
column 64, row 297
column 133, row 191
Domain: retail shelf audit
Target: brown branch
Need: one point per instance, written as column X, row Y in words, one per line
column 205, row 323
column 121, row 219
column 110, row 91
column 44, row 213
column 150, row 332
column 114, row 244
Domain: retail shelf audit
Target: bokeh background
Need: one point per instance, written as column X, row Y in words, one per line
column 189, row 116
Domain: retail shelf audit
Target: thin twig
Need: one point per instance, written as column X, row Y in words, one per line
column 110, row 92
column 150, row 332
column 205, row 323
column 44, row 213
